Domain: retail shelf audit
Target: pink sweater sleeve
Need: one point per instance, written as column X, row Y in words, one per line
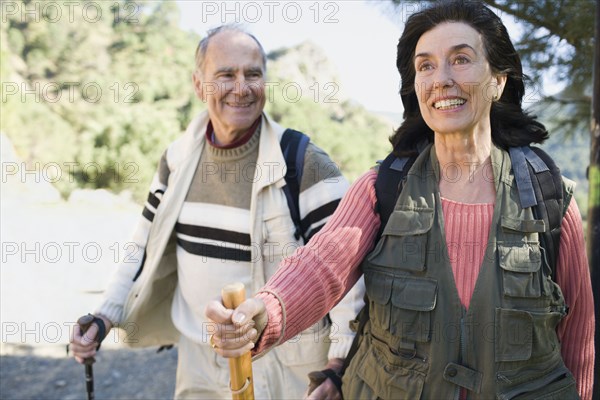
column 311, row 282
column 576, row 330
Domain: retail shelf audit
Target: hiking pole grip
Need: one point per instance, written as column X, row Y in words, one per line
column 241, row 384
column 84, row 323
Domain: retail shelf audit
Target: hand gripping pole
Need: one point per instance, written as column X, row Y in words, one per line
column 84, row 323
column 241, row 383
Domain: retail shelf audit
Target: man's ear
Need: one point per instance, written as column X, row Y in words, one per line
column 197, row 81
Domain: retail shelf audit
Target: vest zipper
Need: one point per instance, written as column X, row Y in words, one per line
column 527, row 387
column 463, row 349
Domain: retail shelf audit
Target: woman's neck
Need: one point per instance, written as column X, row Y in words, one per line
column 465, row 167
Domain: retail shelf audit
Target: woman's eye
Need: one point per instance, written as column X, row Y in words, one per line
column 424, row 67
column 461, row 60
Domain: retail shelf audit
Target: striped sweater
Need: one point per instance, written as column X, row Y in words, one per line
column 351, row 233
column 213, row 231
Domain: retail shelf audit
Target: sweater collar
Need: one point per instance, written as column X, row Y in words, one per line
column 210, row 136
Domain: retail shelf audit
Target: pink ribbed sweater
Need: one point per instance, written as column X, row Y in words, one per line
column 315, row 277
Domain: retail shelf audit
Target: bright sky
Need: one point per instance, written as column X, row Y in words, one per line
column 359, row 37
column 356, row 36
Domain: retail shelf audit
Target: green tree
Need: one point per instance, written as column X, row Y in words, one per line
column 99, row 96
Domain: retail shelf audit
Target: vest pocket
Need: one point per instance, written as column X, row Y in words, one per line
column 545, row 379
column 413, row 299
column 401, row 304
column 513, row 335
column 403, row 243
column 380, row 374
column 520, row 263
column 379, row 288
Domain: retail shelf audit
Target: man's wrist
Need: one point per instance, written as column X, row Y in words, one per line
column 335, row 364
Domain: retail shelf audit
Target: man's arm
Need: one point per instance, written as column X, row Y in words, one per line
column 111, row 309
column 125, row 274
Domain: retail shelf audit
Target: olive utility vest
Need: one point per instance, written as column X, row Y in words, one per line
column 421, row 343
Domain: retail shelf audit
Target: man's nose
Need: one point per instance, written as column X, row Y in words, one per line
column 241, row 86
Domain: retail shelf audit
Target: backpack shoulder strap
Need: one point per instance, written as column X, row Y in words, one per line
column 293, row 147
column 388, row 185
column 540, row 186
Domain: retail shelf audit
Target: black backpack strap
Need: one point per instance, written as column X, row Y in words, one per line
column 540, row 186
column 358, row 326
column 293, row 146
column 388, row 185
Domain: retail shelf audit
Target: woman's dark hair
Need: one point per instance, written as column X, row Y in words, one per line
column 511, row 126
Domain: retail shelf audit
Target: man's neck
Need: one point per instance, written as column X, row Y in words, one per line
column 214, row 139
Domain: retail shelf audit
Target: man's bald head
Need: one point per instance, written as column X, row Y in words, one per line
column 224, row 30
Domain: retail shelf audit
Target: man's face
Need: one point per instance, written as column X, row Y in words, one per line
column 231, row 83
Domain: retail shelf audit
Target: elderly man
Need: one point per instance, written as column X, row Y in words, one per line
column 217, row 213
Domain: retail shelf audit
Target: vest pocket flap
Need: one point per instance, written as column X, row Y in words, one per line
column 416, row 294
column 519, row 256
column 379, row 286
column 522, row 225
column 409, row 222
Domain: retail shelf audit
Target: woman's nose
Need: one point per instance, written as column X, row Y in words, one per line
column 443, row 79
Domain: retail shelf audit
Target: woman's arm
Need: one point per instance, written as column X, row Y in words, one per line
column 576, row 330
column 314, row 279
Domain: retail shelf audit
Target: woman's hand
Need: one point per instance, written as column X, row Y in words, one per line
column 236, row 331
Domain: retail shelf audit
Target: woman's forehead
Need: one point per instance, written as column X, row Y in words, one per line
column 449, row 35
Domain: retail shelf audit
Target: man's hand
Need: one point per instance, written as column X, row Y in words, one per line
column 324, row 388
column 325, row 391
column 236, row 331
column 83, row 345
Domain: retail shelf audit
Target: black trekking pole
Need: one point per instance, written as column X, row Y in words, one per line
column 84, row 323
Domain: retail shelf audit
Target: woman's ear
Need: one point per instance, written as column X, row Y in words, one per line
column 500, row 80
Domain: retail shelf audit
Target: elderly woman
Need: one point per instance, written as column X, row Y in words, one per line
column 462, row 300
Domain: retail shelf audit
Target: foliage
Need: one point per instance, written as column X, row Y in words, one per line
column 352, row 137
column 100, row 97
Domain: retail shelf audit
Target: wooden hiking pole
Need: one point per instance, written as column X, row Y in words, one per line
column 241, row 381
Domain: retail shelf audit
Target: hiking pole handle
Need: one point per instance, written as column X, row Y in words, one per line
column 84, row 324
column 241, row 383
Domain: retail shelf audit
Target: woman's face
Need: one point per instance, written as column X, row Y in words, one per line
column 454, row 82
